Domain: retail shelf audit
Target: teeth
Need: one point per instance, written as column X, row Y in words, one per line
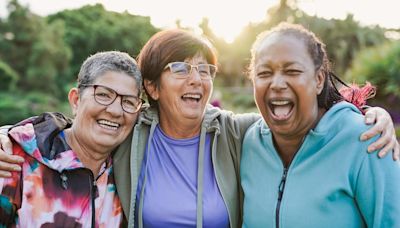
column 280, row 102
column 194, row 96
column 108, row 123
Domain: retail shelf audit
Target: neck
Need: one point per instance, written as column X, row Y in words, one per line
column 91, row 158
column 180, row 129
column 287, row 146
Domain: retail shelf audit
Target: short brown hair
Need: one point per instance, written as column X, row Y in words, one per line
column 170, row 46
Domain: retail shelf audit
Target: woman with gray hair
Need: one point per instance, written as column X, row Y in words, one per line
column 67, row 176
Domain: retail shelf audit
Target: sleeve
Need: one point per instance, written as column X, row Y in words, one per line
column 10, row 198
column 378, row 191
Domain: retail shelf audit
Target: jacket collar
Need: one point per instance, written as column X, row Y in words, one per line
column 210, row 120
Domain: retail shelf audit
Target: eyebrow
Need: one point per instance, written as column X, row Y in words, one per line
column 292, row 63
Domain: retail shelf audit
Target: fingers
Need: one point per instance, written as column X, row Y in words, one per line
column 374, row 130
column 5, row 174
column 396, row 151
column 370, row 116
column 8, row 161
column 5, row 144
column 385, row 150
column 9, row 158
column 8, row 167
column 8, row 164
column 384, row 141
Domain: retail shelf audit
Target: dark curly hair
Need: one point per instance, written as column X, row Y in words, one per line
column 330, row 94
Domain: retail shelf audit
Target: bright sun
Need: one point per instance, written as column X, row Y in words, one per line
column 227, row 17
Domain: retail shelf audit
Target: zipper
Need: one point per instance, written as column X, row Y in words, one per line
column 93, row 192
column 281, row 188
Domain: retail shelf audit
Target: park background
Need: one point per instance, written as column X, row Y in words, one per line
column 40, row 55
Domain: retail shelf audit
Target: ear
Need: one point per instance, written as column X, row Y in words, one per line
column 152, row 89
column 73, row 98
column 320, row 78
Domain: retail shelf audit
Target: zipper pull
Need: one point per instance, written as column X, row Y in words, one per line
column 64, row 180
column 282, row 184
column 94, row 189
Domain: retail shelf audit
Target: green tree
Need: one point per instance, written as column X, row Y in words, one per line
column 380, row 65
column 90, row 29
column 343, row 38
column 34, row 49
column 8, row 77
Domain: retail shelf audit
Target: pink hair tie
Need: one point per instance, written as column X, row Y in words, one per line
column 358, row 96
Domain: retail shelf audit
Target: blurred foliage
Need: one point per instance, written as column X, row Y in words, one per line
column 8, row 77
column 91, row 29
column 40, row 56
column 380, row 65
column 343, row 39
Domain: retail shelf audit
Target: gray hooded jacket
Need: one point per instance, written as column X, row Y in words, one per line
column 227, row 130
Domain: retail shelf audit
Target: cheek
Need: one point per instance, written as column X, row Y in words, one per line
column 260, row 89
column 260, row 92
column 208, row 88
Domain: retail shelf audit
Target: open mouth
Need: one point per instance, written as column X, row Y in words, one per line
column 192, row 97
column 108, row 124
column 281, row 109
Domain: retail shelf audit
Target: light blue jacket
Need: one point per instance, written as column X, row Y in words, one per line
column 331, row 182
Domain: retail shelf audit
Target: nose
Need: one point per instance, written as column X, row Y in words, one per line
column 278, row 82
column 115, row 108
column 195, row 77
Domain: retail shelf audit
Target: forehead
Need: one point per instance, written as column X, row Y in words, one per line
column 118, row 81
column 282, row 48
column 197, row 58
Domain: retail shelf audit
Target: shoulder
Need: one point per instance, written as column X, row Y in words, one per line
column 229, row 119
column 342, row 119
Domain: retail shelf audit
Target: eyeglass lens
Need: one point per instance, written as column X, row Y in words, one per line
column 182, row 68
column 107, row 96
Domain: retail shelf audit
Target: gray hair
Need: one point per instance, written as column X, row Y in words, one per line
column 102, row 62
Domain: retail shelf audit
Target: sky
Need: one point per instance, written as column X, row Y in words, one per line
column 227, row 17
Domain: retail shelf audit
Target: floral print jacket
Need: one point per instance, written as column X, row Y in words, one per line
column 54, row 189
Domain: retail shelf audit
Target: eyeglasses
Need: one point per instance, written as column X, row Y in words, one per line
column 183, row 70
column 106, row 96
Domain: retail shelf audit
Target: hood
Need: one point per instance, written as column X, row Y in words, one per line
column 210, row 120
column 37, row 136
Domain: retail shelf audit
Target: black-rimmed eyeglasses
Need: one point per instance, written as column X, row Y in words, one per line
column 106, row 96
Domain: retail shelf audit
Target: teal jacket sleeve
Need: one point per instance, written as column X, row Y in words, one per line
column 378, row 191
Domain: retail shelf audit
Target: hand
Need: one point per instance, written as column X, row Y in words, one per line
column 384, row 126
column 8, row 162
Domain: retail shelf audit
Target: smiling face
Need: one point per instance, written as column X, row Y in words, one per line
column 98, row 126
column 286, row 85
column 182, row 100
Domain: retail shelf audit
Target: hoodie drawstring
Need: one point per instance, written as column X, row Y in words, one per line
column 200, row 174
column 140, row 213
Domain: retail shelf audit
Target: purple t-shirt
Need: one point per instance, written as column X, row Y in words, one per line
column 171, row 187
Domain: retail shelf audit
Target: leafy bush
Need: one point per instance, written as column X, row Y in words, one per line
column 379, row 65
column 16, row 107
column 8, row 77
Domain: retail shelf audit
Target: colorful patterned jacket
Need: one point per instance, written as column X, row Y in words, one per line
column 54, row 189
